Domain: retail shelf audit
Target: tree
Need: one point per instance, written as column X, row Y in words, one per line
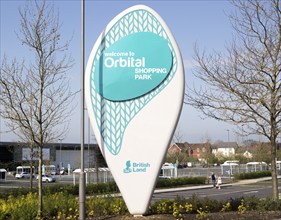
column 243, row 86
column 209, row 158
column 178, row 136
column 241, row 158
column 36, row 98
column 177, row 157
column 262, row 153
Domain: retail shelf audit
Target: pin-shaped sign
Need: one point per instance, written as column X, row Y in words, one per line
column 134, row 93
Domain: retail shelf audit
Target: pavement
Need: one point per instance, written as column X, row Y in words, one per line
column 225, row 182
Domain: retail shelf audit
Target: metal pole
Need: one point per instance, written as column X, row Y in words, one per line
column 60, row 158
column 82, row 185
column 88, row 179
column 228, row 135
column 243, row 134
column 89, row 134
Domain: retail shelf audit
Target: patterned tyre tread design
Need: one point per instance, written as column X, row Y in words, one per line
column 112, row 118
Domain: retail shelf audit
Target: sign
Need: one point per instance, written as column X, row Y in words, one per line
column 134, row 88
column 130, row 69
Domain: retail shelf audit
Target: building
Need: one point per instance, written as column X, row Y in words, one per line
column 13, row 154
column 195, row 150
column 226, row 149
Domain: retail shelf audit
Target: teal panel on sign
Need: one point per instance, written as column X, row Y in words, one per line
column 132, row 66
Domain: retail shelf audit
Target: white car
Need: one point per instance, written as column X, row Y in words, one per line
column 22, row 175
column 47, row 178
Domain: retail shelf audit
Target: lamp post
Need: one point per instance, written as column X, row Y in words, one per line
column 60, row 158
column 228, row 144
column 89, row 133
column 82, row 185
column 227, row 135
column 243, row 134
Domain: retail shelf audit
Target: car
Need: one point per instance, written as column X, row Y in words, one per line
column 47, row 178
column 22, row 175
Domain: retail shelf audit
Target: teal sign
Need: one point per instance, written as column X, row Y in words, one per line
column 132, row 66
column 134, row 82
column 133, row 167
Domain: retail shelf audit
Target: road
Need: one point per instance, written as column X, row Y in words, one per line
column 230, row 190
column 260, row 190
column 12, row 182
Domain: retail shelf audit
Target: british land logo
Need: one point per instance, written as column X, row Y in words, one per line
column 133, row 167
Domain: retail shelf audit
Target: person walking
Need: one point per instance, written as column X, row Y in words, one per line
column 219, row 182
column 213, row 177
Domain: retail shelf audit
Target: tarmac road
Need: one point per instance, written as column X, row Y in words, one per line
column 260, row 188
column 12, row 182
column 225, row 193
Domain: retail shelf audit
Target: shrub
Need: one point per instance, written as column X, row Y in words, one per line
column 226, row 207
column 268, row 205
column 196, row 203
column 201, row 214
column 98, row 188
column 252, row 175
column 178, row 210
column 173, row 182
column 60, row 205
column 164, row 206
column 4, row 193
column 20, row 208
column 242, row 208
column 251, row 202
column 177, row 207
column 234, row 203
column 212, row 205
column 102, row 188
column 67, row 189
column 106, row 206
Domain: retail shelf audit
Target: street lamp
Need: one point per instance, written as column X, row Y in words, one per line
column 89, row 133
column 60, row 158
column 243, row 134
column 228, row 135
column 89, row 136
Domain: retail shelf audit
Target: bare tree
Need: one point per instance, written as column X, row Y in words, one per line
column 36, row 98
column 243, row 86
column 178, row 136
column 262, row 153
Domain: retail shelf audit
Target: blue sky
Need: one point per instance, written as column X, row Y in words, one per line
column 203, row 22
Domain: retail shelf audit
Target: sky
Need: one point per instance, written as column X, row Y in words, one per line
column 204, row 23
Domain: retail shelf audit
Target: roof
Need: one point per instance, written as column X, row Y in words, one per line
column 222, row 144
column 256, row 163
column 193, row 146
column 229, row 164
column 91, row 170
column 3, row 171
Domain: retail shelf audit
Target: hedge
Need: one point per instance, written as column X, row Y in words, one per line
column 251, row 175
column 182, row 181
column 98, row 188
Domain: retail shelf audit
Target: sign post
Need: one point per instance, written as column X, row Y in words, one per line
column 134, row 87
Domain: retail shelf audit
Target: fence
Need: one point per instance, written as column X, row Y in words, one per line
column 104, row 175
column 225, row 170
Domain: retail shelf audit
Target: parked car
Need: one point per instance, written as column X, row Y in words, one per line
column 47, row 178
column 22, row 175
